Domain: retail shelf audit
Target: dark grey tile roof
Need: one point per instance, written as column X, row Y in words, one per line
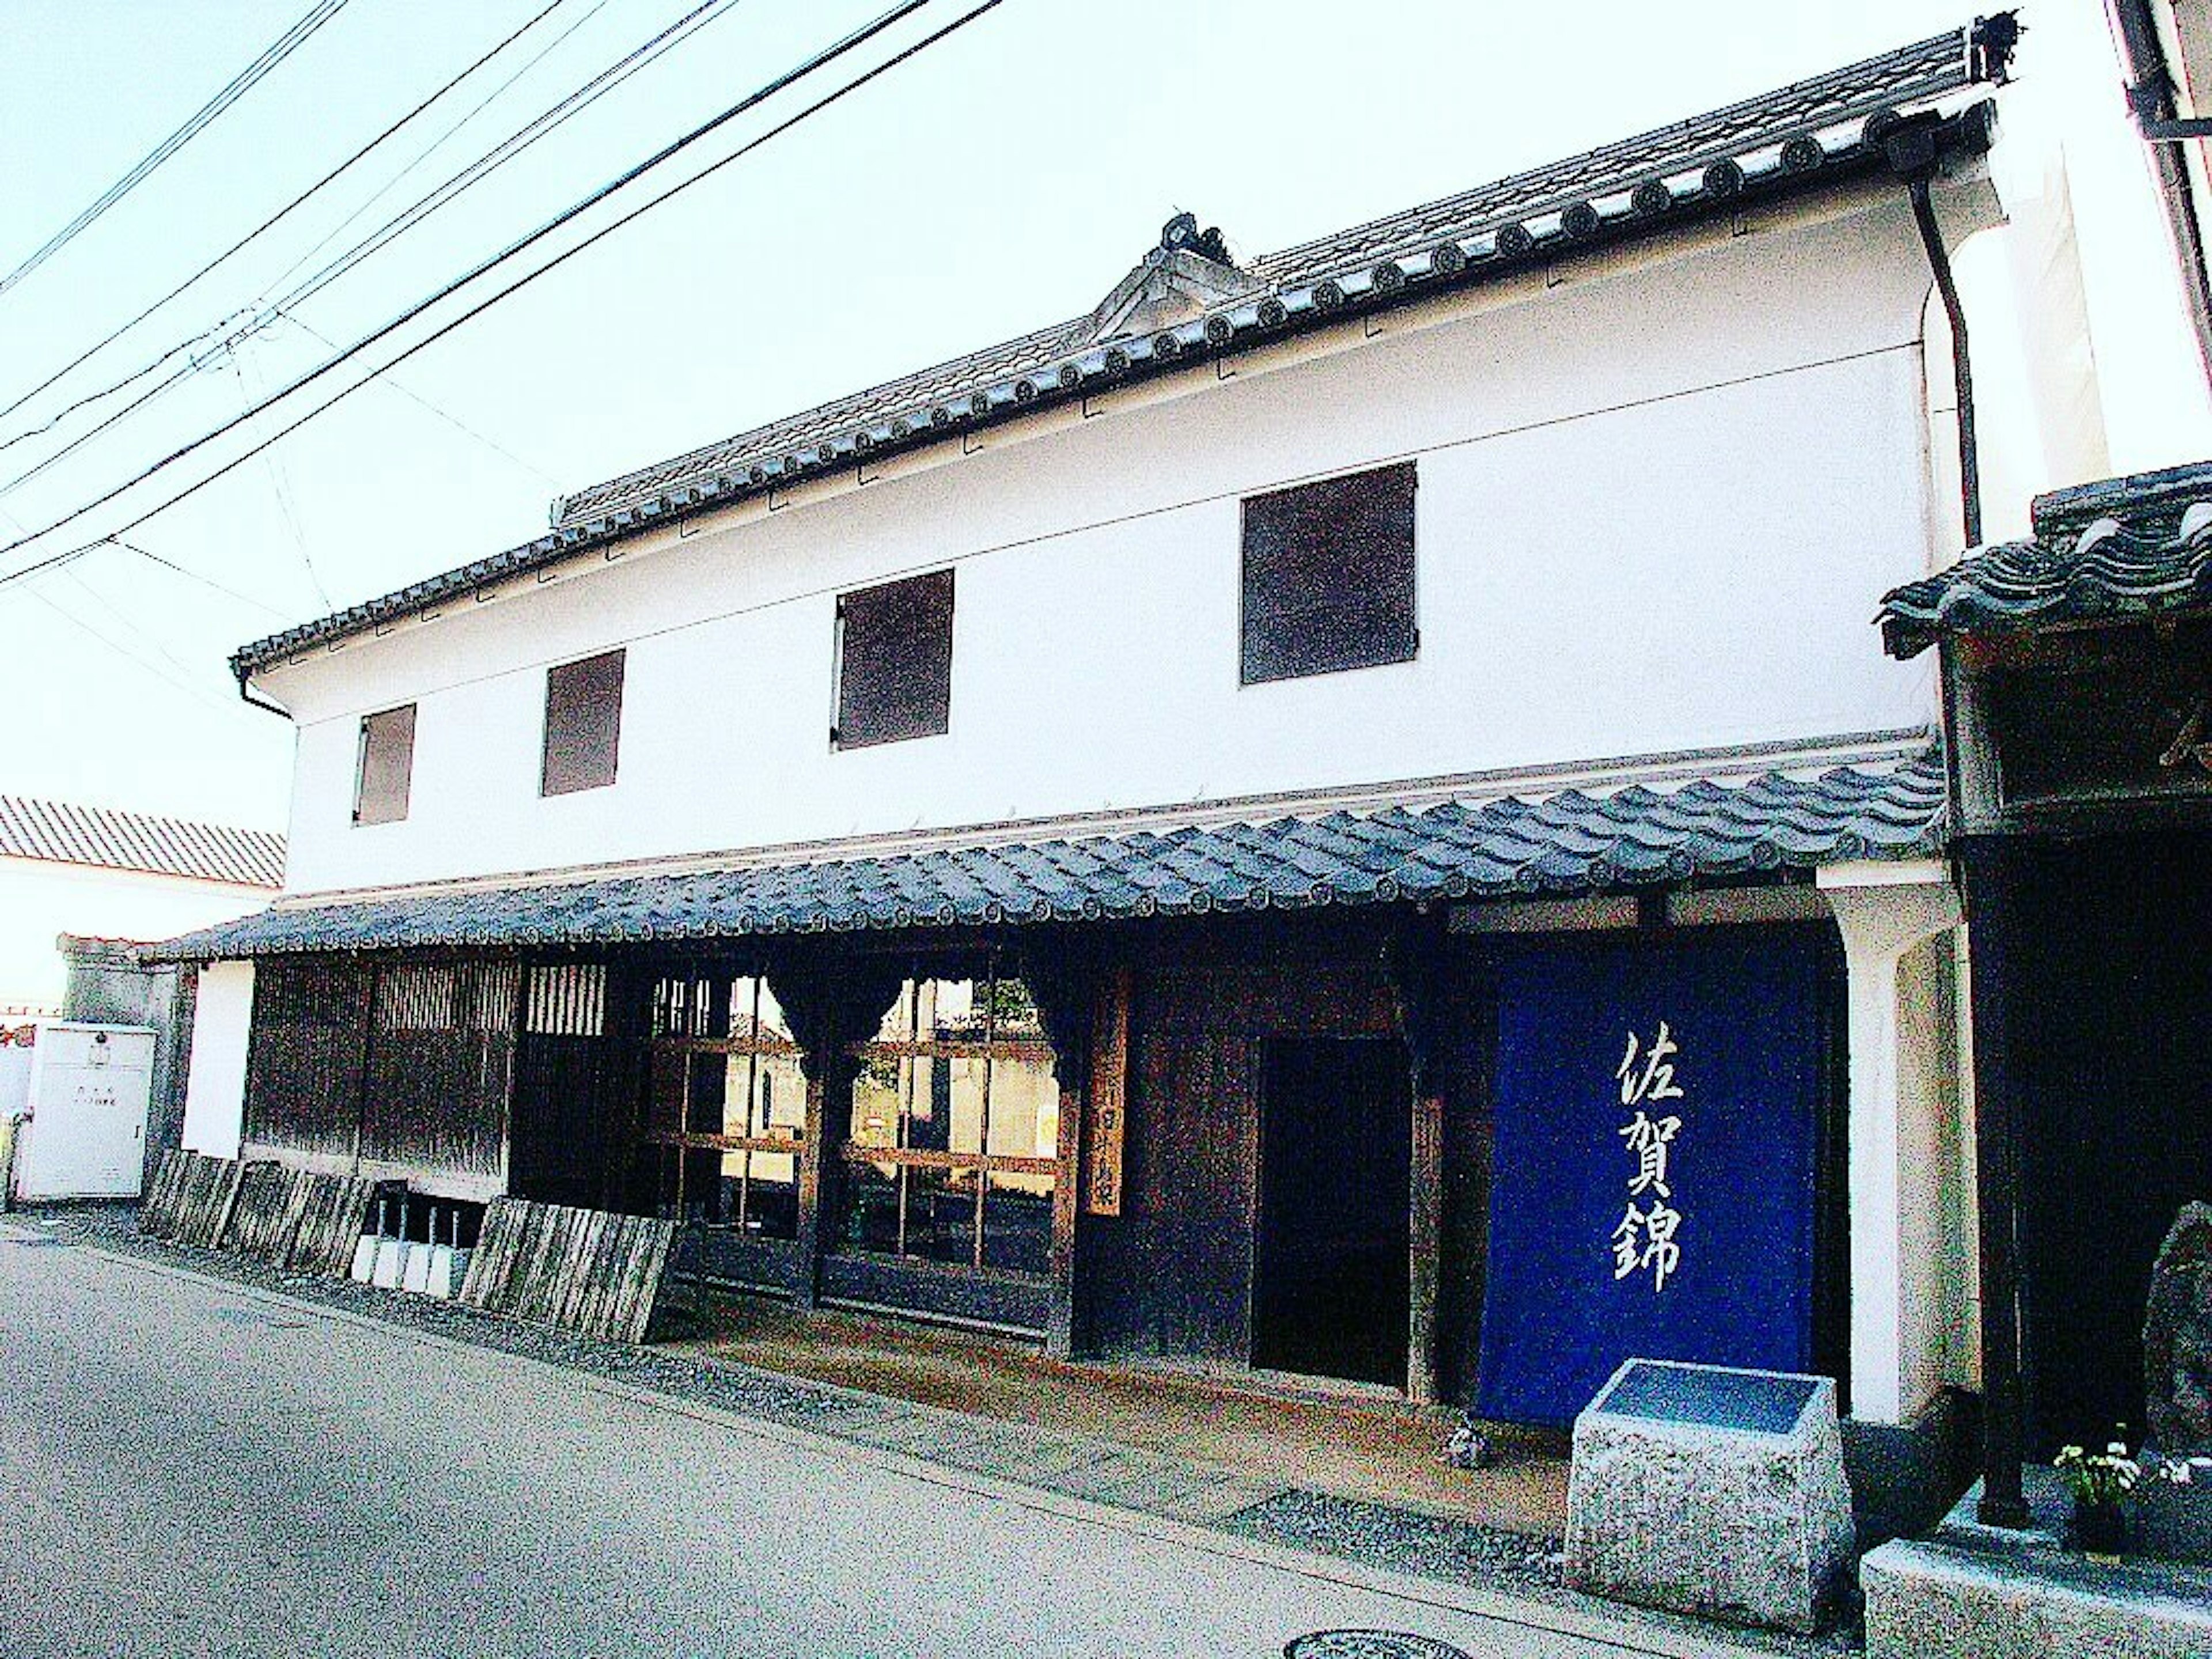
column 1807, row 135
column 1566, row 843
column 57, row 833
column 2120, row 549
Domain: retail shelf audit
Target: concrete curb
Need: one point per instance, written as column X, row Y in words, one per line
column 1628, row 1630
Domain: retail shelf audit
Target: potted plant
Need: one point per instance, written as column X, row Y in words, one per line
column 2100, row 1482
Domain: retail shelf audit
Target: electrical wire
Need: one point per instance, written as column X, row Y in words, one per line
column 474, row 173
column 128, row 654
column 574, row 104
column 209, row 582
column 239, row 85
column 828, row 54
column 445, row 415
column 267, row 224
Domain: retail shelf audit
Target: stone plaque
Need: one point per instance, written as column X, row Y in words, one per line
column 1767, row 1402
column 1711, row 1490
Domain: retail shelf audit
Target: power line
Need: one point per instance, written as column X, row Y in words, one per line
column 445, row 415
column 474, row 173
column 857, row 37
column 239, row 85
column 279, row 435
column 438, row 144
column 124, row 652
column 193, row 575
column 574, row 104
column 274, row 464
column 266, row 225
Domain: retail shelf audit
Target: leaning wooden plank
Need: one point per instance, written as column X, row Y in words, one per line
column 565, row 1227
column 612, row 1312
column 155, row 1215
column 607, row 1286
column 590, row 1317
column 225, row 1206
column 550, row 1225
column 259, row 1189
column 349, row 1221
column 540, row 1223
column 192, row 1182
column 488, row 1262
column 176, row 1176
column 530, row 1245
column 203, row 1199
column 576, row 1283
column 649, row 1262
column 335, row 1221
column 300, row 1193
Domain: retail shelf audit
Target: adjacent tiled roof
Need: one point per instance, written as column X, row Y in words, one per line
column 1565, row 843
column 2121, row 550
column 60, row 833
column 1809, row 135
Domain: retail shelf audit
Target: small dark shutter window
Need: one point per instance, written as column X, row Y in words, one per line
column 1329, row 576
column 583, row 724
column 385, row 767
column 894, row 661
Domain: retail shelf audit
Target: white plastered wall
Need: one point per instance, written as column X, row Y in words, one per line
column 1659, row 491
column 214, row 1085
column 1910, row 1179
column 40, row 899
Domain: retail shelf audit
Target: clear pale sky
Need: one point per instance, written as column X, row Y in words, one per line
column 1001, row 181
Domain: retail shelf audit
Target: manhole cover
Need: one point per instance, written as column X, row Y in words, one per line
column 1368, row 1644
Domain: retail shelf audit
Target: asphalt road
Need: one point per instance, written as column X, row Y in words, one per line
column 187, row 1468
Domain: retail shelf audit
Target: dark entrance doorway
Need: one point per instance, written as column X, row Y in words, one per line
column 1330, row 1281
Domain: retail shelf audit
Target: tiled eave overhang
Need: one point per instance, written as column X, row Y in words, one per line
column 2136, row 549
column 1571, row 842
column 1814, row 135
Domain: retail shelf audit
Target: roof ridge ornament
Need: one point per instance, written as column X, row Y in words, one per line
column 1189, row 273
column 1181, row 232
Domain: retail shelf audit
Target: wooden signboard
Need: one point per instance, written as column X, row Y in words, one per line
column 1106, row 1117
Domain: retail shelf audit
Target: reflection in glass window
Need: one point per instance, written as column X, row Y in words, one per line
column 726, row 1113
column 953, row 1151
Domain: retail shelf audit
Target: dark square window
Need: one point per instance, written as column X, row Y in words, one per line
column 583, row 724
column 894, row 661
column 1329, row 576
column 384, row 766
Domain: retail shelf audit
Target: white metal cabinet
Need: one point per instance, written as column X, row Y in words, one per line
column 90, row 1088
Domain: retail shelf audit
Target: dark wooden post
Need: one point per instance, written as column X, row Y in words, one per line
column 621, row 1078
column 1988, row 880
column 829, row 1008
column 1415, row 960
column 1065, row 987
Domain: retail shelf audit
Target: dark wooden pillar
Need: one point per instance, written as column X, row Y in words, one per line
column 1989, row 881
column 829, row 1008
column 621, row 1081
column 1065, row 987
column 1416, row 965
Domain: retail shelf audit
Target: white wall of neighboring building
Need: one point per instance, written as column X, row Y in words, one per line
column 215, row 1082
column 40, row 900
column 1661, row 489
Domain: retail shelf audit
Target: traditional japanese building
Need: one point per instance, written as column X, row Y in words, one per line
column 1336, row 815
column 2080, row 691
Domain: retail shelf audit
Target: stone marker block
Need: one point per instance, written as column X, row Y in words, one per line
column 2178, row 1337
column 1710, row 1490
column 1938, row 1600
